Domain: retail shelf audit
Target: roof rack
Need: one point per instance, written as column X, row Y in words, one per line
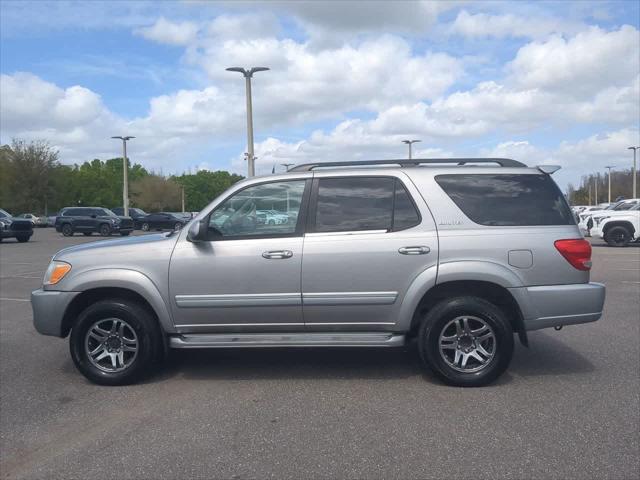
column 503, row 162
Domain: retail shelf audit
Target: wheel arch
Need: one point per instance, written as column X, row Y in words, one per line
column 619, row 223
column 497, row 294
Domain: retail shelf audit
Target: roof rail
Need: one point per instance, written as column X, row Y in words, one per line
column 503, row 162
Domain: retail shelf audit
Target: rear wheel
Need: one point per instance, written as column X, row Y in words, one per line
column 67, row 230
column 115, row 342
column 617, row 236
column 105, row 230
column 145, row 227
column 466, row 341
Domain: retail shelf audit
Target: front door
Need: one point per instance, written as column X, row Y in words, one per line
column 247, row 276
column 368, row 237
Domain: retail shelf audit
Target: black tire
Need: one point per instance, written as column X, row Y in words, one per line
column 125, row 234
column 23, row 238
column 617, row 236
column 87, row 234
column 177, row 227
column 67, row 230
column 149, row 340
column 105, row 230
column 444, row 312
column 145, row 227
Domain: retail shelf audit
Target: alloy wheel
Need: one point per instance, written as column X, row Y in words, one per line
column 111, row 345
column 467, row 344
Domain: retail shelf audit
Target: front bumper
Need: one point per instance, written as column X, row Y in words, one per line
column 557, row 305
column 48, row 310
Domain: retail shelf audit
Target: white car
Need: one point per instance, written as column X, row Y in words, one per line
column 35, row 220
column 618, row 228
column 586, row 217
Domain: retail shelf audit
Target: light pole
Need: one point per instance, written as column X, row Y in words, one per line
column 410, row 142
column 634, row 172
column 247, row 76
column 609, row 175
column 287, row 165
column 125, row 176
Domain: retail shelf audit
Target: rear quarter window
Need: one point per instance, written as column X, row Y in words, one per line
column 508, row 199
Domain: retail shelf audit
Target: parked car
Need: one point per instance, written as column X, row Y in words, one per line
column 458, row 258
column 137, row 214
column 271, row 217
column 585, row 222
column 35, row 220
column 618, row 228
column 89, row 220
column 162, row 221
column 10, row 227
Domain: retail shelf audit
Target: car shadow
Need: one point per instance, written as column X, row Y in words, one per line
column 546, row 355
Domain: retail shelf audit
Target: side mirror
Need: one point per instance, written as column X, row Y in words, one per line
column 197, row 231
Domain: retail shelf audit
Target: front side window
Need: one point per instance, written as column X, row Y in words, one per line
column 260, row 210
column 363, row 203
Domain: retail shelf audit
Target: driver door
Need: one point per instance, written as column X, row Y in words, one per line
column 246, row 277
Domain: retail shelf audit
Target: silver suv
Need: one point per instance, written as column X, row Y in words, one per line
column 457, row 254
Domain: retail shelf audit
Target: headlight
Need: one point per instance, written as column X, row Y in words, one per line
column 57, row 271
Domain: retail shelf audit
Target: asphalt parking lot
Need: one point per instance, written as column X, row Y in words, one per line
column 569, row 407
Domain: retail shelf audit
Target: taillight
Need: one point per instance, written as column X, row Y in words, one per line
column 576, row 251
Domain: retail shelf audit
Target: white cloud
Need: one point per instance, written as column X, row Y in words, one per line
column 484, row 25
column 582, row 65
column 170, row 33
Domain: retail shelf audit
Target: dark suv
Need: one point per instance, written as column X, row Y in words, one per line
column 88, row 220
column 136, row 213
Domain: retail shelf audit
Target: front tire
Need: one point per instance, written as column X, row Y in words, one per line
column 617, row 237
column 67, row 230
column 145, row 227
column 115, row 341
column 23, row 238
column 105, row 230
column 466, row 341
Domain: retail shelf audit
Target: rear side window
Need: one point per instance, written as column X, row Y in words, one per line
column 508, row 199
column 363, row 203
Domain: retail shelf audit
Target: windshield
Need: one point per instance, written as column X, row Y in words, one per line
column 108, row 212
column 4, row 214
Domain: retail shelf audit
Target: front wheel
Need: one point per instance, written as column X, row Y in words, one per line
column 115, row 342
column 177, row 226
column 466, row 341
column 67, row 230
column 145, row 227
column 617, row 237
column 23, row 238
column 105, row 230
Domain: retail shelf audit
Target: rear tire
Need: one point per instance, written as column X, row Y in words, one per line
column 67, row 230
column 469, row 327
column 617, row 236
column 145, row 227
column 138, row 323
column 23, row 238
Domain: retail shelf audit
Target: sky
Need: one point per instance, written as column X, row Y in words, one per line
column 540, row 82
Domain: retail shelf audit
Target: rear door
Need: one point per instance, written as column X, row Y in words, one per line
column 368, row 237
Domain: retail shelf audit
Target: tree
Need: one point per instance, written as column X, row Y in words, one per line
column 155, row 193
column 200, row 189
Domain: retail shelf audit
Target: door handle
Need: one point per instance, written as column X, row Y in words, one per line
column 277, row 254
column 421, row 250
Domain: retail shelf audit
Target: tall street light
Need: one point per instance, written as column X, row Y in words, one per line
column 125, row 176
column 634, row 172
column 410, row 142
column 609, row 175
column 287, row 165
column 247, row 76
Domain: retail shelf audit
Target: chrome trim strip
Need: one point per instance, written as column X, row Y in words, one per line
column 349, row 323
column 244, row 340
column 239, row 300
column 335, row 234
column 349, row 298
column 193, row 325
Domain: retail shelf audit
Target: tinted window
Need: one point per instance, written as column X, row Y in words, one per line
column 261, row 210
column 507, row 200
column 73, row 212
column 354, row 203
column 405, row 214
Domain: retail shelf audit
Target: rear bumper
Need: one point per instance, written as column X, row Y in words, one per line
column 557, row 305
column 48, row 310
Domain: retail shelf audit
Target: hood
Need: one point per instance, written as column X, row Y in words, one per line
column 133, row 247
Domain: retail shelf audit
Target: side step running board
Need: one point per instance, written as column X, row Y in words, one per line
column 235, row 340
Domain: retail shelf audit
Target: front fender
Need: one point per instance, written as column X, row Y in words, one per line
column 128, row 280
